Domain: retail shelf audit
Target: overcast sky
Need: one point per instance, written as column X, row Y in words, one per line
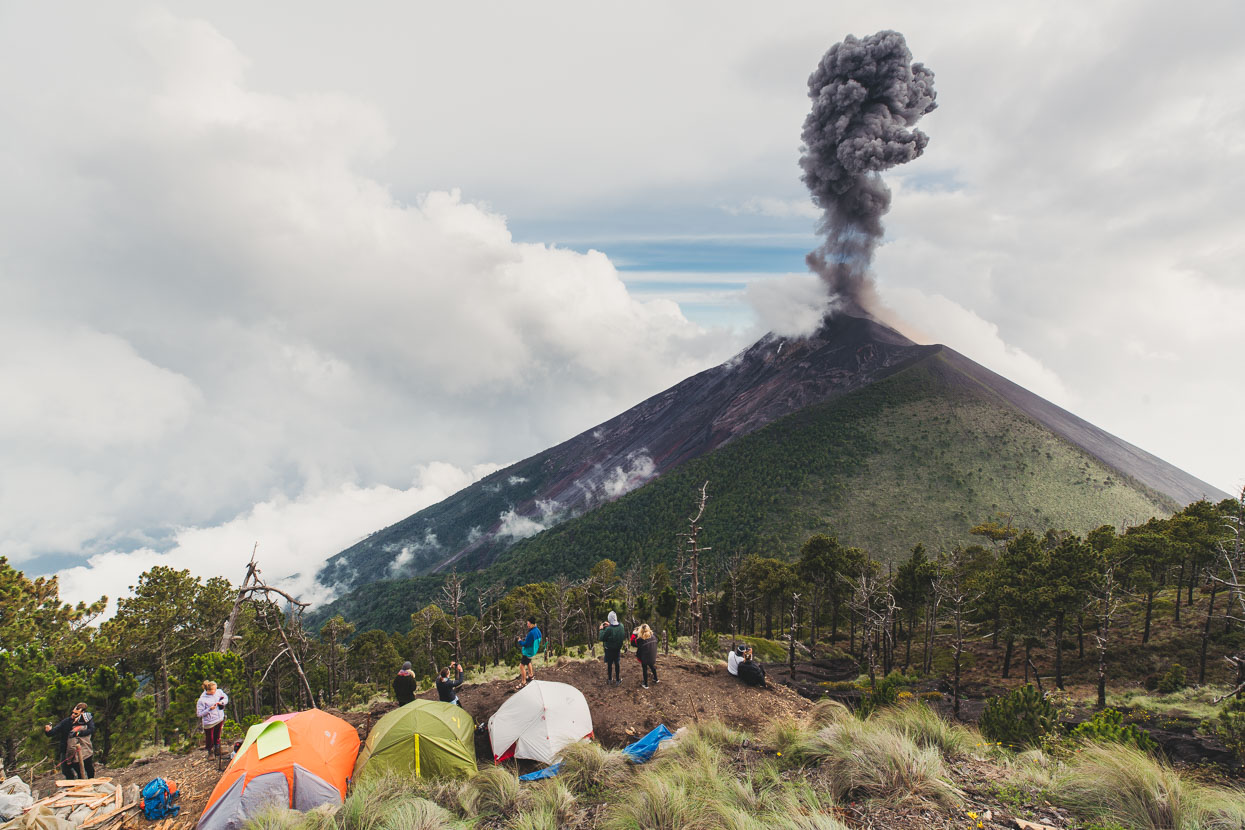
column 289, row 272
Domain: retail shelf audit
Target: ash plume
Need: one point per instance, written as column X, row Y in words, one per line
column 867, row 94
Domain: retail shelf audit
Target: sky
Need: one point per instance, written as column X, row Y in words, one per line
column 287, row 273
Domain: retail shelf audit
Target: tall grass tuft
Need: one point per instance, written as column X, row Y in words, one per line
column 827, row 711
column 716, row 733
column 587, row 765
column 555, row 799
column 927, row 728
column 275, row 817
column 863, row 759
column 657, row 802
column 784, row 736
column 1131, row 787
column 414, row 814
column 493, row 791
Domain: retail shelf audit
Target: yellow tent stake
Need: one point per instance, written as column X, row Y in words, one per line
column 417, row 755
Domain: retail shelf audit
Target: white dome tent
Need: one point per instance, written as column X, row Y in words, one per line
column 538, row 721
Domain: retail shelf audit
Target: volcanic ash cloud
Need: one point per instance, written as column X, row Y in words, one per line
column 867, row 95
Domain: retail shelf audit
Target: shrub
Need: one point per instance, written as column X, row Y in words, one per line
column 1229, row 725
column 931, row 695
column 274, row 818
column 1019, row 718
column 1173, row 680
column 1128, row 786
column 710, row 643
column 1108, row 727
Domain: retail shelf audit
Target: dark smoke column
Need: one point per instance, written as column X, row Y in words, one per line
column 866, row 95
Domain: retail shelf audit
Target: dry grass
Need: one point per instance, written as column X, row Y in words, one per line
column 867, row 760
column 1131, row 787
column 827, row 712
column 927, row 728
column 586, row 765
column 493, row 792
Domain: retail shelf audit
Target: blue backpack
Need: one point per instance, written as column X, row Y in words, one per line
column 158, row 798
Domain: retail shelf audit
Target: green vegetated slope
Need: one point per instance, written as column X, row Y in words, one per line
column 919, row 457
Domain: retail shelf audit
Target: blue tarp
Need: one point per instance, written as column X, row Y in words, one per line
column 643, row 749
column 639, row 752
column 547, row 772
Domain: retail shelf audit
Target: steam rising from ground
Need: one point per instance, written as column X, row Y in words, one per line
column 866, row 95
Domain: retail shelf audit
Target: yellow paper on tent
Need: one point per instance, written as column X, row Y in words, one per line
column 270, row 737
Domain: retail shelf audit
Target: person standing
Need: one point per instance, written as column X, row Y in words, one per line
column 529, row 647
column 612, row 636
column 646, row 652
column 404, row 685
column 446, row 687
column 210, row 710
column 73, row 736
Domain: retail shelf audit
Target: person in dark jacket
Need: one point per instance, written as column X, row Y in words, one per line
column 404, row 685
column 646, row 652
column 612, row 636
column 79, row 727
column 446, row 687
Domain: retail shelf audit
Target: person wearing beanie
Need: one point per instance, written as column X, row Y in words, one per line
column 612, row 635
column 404, row 685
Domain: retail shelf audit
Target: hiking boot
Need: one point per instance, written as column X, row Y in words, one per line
column 643, row 685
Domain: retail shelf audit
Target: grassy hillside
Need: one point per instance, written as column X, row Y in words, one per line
column 919, row 457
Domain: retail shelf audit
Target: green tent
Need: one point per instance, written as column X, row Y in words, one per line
column 424, row 739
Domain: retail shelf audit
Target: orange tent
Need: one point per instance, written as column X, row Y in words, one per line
column 300, row 760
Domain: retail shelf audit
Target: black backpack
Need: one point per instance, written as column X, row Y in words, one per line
column 751, row 673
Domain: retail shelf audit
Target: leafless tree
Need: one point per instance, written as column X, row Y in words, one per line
column 691, row 567
column 564, row 607
column 873, row 601
column 951, row 591
column 1232, row 552
column 453, row 593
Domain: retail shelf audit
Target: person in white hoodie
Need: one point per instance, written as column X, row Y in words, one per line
column 211, row 713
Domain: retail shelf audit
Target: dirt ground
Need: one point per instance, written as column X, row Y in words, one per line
column 688, row 692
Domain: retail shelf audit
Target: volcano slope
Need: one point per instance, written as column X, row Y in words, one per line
column 920, row 456
column 957, row 400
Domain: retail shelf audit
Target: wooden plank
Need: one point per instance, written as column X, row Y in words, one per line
column 117, row 793
column 83, row 782
column 98, row 800
column 94, row 820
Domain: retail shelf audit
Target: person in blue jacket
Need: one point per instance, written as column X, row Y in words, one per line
column 529, row 647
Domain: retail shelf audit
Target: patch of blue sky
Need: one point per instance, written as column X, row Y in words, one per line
column 933, row 181
column 766, row 254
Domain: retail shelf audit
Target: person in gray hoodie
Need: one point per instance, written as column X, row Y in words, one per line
column 612, row 636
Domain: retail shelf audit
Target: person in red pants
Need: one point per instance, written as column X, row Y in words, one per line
column 211, row 712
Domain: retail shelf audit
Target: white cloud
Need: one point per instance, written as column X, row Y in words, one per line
column 246, row 319
column 295, row 536
column 792, row 305
column 516, row 526
column 624, row 478
column 936, row 319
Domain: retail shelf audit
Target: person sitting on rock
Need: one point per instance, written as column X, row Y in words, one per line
column 749, row 669
column 446, row 687
column 735, row 657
